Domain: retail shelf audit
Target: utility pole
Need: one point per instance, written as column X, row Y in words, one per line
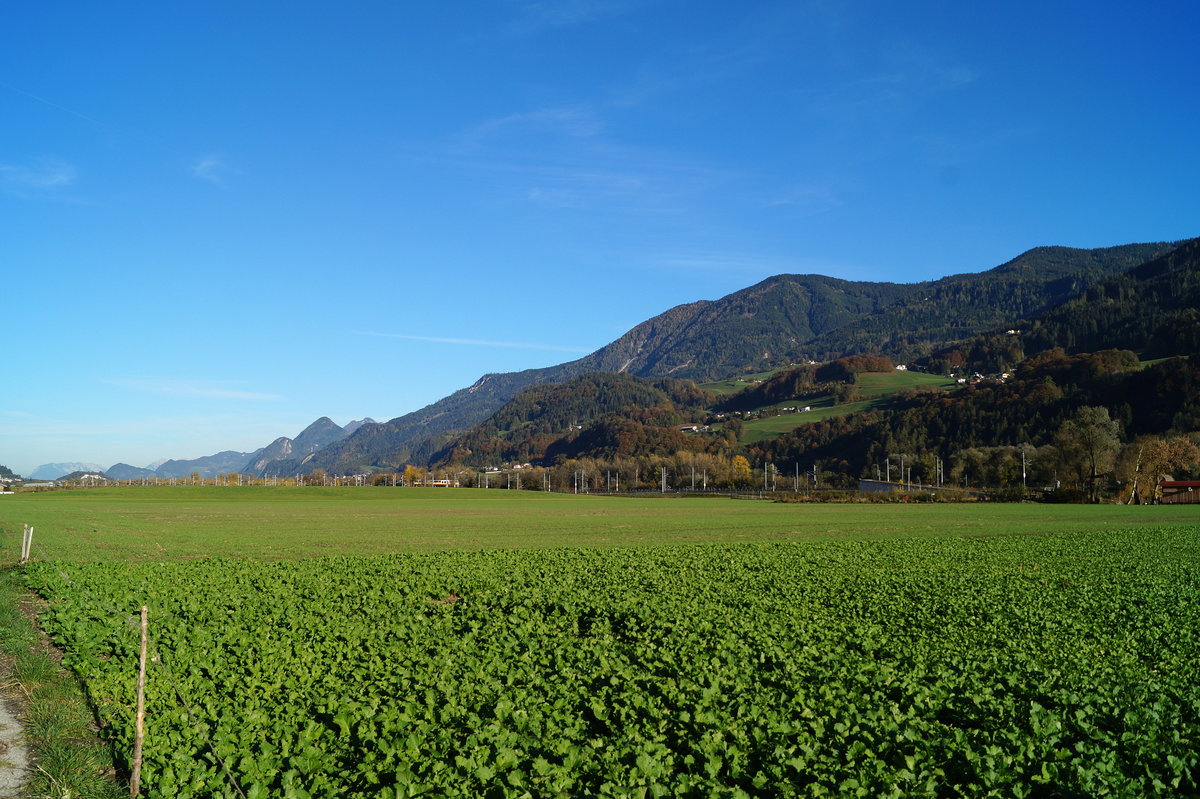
column 664, row 479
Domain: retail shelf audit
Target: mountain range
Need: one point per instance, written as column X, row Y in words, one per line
column 1127, row 347
column 782, row 320
column 319, row 434
column 1056, row 296
column 53, row 471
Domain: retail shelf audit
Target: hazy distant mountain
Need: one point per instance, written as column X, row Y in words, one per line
column 352, row 427
column 53, row 471
column 227, row 462
column 318, row 434
column 311, row 440
column 123, row 471
column 781, row 320
column 279, row 449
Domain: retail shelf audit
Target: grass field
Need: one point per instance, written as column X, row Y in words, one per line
column 493, row 643
column 735, row 384
column 169, row 523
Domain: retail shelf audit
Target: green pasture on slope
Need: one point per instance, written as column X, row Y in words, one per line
column 732, row 385
column 172, row 523
column 873, row 387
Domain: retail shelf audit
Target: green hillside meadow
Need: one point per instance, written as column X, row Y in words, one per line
column 873, row 387
column 401, row 642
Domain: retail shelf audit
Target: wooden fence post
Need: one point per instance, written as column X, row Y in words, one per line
column 26, row 543
column 135, row 778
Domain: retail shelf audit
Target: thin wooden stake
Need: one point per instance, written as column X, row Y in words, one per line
column 26, row 544
column 135, row 778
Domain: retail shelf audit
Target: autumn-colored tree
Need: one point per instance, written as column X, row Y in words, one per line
column 413, row 475
column 741, row 471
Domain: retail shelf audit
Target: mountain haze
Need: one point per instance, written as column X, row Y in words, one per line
column 226, row 462
column 123, row 471
column 53, row 471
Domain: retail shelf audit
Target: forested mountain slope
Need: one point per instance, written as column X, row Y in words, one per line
column 781, row 320
column 532, row 421
column 1153, row 310
column 959, row 306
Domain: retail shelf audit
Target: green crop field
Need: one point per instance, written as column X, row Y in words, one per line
column 471, row 643
column 163, row 523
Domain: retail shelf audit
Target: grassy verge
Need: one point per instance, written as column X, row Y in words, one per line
column 70, row 759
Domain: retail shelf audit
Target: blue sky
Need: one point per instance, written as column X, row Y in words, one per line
column 221, row 221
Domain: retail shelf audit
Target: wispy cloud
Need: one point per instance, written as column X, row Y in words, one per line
column 54, row 105
column 536, row 17
column 213, row 169
column 811, row 199
column 42, row 176
column 563, row 157
column 470, row 342
column 196, row 389
column 902, row 78
column 575, row 121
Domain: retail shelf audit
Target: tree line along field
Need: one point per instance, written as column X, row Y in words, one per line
column 585, row 646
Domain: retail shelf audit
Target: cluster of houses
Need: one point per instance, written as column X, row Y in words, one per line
column 998, row 377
